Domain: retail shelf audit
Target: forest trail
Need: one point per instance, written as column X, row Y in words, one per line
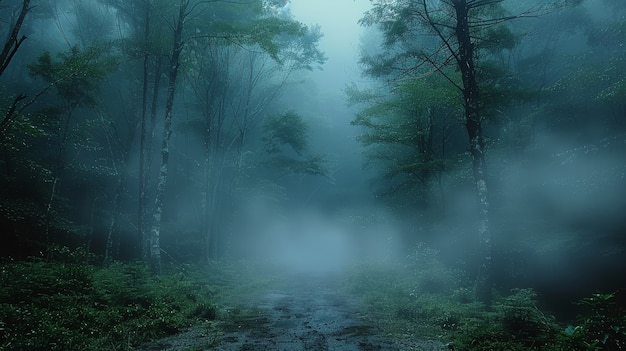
column 306, row 314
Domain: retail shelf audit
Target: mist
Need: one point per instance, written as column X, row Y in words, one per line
column 354, row 156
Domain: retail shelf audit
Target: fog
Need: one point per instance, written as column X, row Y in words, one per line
column 341, row 41
column 381, row 186
column 320, row 230
column 554, row 212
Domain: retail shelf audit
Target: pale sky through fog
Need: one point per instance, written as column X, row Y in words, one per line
column 338, row 20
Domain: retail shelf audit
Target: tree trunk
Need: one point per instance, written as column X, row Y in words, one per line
column 473, row 123
column 141, row 206
column 148, row 180
column 56, row 171
column 146, row 143
column 155, row 234
column 13, row 43
column 209, row 196
column 112, row 250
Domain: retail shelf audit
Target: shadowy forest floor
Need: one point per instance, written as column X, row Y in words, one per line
column 304, row 312
column 414, row 303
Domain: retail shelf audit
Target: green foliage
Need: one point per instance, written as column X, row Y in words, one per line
column 70, row 305
column 602, row 326
column 499, row 38
column 265, row 31
column 22, row 132
column 311, row 165
column 285, row 129
column 598, row 76
column 301, row 50
column 284, row 135
column 404, row 131
column 515, row 323
column 284, row 40
column 420, row 297
column 75, row 75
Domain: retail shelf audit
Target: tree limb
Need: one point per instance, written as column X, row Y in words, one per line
column 13, row 43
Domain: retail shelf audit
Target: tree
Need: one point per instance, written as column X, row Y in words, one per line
column 14, row 40
column 599, row 78
column 174, row 65
column 234, row 87
column 406, row 133
column 285, row 140
column 148, row 42
column 448, row 38
column 240, row 24
column 10, row 48
column 76, row 76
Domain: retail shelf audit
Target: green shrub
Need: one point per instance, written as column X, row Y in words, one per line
column 429, row 275
column 515, row 323
column 74, row 306
column 602, row 326
column 417, row 296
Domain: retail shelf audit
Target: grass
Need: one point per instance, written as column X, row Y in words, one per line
column 68, row 304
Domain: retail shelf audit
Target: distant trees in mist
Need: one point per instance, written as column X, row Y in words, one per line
column 129, row 124
column 149, row 129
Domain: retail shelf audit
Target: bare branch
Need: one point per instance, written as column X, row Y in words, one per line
column 13, row 43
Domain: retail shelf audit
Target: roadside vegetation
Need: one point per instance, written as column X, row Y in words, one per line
column 419, row 297
column 67, row 303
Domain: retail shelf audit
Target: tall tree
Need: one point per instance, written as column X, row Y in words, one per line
column 148, row 42
column 286, row 148
column 234, row 86
column 10, row 48
column 429, row 37
column 240, row 24
column 174, row 66
column 14, row 40
column 76, row 77
column 406, row 134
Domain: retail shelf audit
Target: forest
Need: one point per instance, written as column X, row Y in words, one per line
column 211, row 175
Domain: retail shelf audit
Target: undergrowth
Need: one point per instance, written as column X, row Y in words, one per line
column 419, row 297
column 67, row 304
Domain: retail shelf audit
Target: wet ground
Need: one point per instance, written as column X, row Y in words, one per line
column 303, row 315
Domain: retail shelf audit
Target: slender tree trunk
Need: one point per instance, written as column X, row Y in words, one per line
column 13, row 43
column 90, row 227
column 213, row 210
column 56, row 173
column 208, row 193
column 214, row 165
column 213, row 183
column 113, row 240
column 121, row 170
column 148, row 179
column 473, row 124
column 155, row 245
column 141, row 206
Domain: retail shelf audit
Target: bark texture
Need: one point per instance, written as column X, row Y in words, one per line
column 473, row 124
column 155, row 233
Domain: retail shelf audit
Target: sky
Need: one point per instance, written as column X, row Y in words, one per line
column 339, row 23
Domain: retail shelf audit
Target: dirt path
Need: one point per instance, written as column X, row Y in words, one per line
column 304, row 315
